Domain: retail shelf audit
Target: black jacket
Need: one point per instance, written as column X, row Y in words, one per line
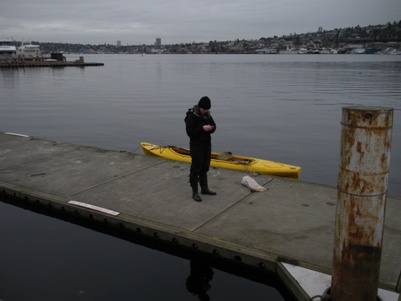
column 194, row 122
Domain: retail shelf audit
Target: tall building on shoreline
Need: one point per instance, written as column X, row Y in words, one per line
column 158, row 43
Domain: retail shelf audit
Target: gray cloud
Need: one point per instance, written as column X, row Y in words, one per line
column 183, row 21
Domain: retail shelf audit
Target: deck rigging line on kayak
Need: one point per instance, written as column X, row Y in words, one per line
column 224, row 156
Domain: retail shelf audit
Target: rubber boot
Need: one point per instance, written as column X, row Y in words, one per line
column 195, row 194
column 193, row 180
column 204, row 186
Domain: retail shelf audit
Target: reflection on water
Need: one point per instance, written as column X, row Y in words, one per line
column 47, row 259
column 198, row 281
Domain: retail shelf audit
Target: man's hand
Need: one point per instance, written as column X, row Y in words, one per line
column 208, row 128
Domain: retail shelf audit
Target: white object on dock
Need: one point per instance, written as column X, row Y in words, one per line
column 252, row 184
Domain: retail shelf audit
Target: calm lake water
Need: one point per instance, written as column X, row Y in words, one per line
column 279, row 107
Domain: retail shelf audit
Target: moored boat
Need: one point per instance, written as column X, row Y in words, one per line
column 7, row 48
column 225, row 160
column 29, row 51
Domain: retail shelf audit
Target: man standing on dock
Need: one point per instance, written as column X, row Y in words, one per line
column 199, row 127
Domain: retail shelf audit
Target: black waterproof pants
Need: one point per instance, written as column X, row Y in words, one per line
column 200, row 163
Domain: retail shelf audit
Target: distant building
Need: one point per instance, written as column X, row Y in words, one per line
column 118, row 43
column 158, row 43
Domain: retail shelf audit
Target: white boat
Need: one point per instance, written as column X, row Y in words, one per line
column 302, row 50
column 29, row 51
column 324, row 51
column 358, row 51
column 266, row 51
column 7, row 48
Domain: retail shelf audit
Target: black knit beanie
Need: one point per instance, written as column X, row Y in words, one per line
column 204, row 103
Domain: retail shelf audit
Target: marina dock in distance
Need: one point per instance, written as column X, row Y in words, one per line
column 52, row 64
column 56, row 60
column 287, row 229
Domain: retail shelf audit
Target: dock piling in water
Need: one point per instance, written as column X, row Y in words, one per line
column 361, row 201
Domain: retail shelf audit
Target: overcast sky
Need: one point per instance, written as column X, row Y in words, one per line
column 183, row 21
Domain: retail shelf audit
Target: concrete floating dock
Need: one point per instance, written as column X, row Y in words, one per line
column 286, row 228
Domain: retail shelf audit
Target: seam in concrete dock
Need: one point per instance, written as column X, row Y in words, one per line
column 232, row 206
column 110, row 181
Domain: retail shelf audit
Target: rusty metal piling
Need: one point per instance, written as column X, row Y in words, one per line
column 361, row 200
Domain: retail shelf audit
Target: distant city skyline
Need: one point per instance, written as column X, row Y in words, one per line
column 141, row 22
column 379, row 38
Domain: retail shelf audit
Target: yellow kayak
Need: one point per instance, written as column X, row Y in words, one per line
column 225, row 160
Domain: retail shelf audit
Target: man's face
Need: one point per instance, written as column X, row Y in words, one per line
column 203, row 111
